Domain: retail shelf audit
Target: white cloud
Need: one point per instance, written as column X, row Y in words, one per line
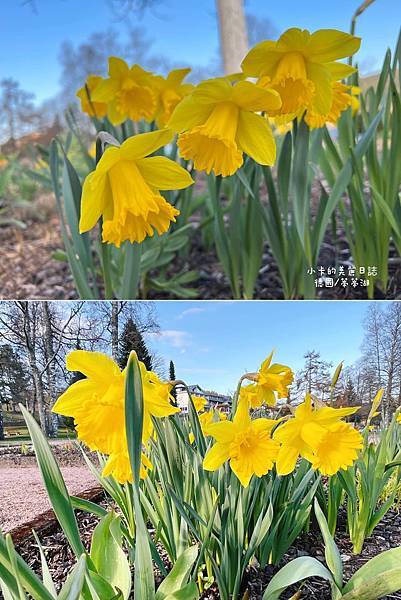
column 174, row 337
column 190, row 311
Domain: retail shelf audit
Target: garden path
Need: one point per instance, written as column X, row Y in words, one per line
column 23, row 496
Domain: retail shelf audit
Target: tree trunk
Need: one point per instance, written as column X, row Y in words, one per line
column 233, row 34
column 114, row 330
column 49, row 358
column 31, row 349
column 1, row 422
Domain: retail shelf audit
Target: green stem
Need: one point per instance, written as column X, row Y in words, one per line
column 131, row 271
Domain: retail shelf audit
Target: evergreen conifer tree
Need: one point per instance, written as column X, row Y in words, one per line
column 131, row 339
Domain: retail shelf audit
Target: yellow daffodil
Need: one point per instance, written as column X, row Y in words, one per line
column 319, row 436
column 300, row 66
column 245, row 443
column 217, row 124
column 199, row 402
column 341, row 100
column 171, row 91
column 130, row 93
column 97, row 403
column 271, row 382
column 124, row 189
column 118, row 466
column 399, row 418
column 205, row 419
column 88, row 104
column 355, row 102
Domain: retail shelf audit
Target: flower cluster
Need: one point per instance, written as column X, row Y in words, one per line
column 316, row 433
column 253, row 446
column 97, row 405
column 217, row 121
column 133, row 93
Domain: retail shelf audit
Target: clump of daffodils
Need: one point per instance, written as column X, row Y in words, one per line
column 253, row 446
column 97, row 405
column 218, row 122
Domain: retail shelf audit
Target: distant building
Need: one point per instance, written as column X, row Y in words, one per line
column 215, row 400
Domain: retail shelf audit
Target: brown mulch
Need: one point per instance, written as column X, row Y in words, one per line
column 32, row 272
column 28, row 269
column 387, row 535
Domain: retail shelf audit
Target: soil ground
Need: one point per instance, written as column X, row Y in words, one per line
column 32, row 272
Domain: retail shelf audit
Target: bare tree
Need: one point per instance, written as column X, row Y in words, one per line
column 17, row 108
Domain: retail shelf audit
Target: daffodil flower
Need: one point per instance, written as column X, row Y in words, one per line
column 301, row 65
column 319, row 436
column 97, row 405
column 118, row 465
column 171, row 90
column 246, row 444
column 199, row 402
column 88, row 105
column 217, row 124
column 341, row 101
column 124, row 189
column 271, row 382
column 130, row 93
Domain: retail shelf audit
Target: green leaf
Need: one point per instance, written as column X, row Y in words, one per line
column 332, row 553
column 143, row 580
column 54, row 484
column 108, row 556
column 189, row 592
column 293, row 572
column 376, row 567
column 46, row 576
column 178, row 575
column 345, row 176
column 72, row 588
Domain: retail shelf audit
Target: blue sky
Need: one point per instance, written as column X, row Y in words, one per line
column 213, row 343
column 184, row 30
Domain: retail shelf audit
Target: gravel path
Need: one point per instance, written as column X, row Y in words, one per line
column 23, row 496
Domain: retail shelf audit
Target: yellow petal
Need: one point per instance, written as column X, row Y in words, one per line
column 117, row 67
column 216, row 456
column 321, row 78
column 286, row 460
column 188, row 114
column 213, row 91
column 139, row 146
column 255, row 138
column 263, row 424
column 105, row 90
column 326, row 45
column 243, row 471
column 93, row 201
column 114, row 114
column 176, row 76
column 110, row 157
column 261, row 60
column 223, row 431
column 251, row 97
column 339, row 70
column 293, row 40
column 74, row 396
column 162, row 173
column 92, row 364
